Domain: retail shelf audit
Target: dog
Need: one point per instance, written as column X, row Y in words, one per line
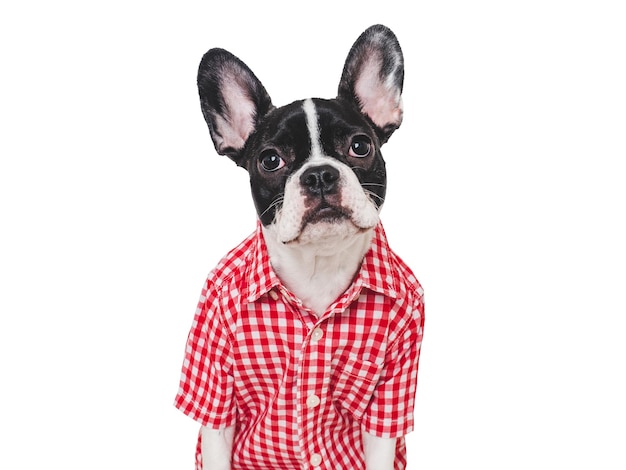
column 305, row 345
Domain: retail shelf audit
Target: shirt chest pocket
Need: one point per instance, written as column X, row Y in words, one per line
column 353, row 384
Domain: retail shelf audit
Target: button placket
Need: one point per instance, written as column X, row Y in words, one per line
column 313, row 400
column 314, row 352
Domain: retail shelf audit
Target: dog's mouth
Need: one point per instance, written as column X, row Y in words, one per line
column 325, row 212
column 326, row 222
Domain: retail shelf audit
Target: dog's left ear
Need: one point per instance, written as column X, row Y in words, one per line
column 373, row 77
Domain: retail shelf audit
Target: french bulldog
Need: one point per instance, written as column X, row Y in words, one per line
column 318, row 182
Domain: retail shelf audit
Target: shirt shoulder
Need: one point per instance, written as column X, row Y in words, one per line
column 387, row 268
column 407, row 326
column 233, row 265
column 406, row 276
column 223, row 287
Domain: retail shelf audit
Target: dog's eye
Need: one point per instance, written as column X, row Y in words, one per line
column 360, row 146
column 270, row 161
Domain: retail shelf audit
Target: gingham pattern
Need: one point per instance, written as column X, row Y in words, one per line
column 301, row 387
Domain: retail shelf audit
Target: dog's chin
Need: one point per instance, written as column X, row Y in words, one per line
column 325, row 231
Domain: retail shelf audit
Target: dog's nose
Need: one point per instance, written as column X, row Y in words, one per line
column 319, row 180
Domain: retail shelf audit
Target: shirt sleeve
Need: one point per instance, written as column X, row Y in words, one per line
column 206, row 385
column 390, row 412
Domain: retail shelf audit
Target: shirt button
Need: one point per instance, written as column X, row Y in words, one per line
column 316, row 460
column 313, row 401
column 317, row 334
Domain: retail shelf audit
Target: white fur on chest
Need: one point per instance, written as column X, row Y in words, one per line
column 318, row 273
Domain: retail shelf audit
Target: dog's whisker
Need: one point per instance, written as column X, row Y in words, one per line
column 374, row 195
column 278, row 200
column 272, row 206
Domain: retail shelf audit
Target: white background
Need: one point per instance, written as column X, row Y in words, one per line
column 506, row 197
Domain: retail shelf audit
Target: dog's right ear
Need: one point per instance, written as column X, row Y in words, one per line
column 232, row 100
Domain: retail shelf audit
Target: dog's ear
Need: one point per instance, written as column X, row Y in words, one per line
column 373, row 77
column 232, row 100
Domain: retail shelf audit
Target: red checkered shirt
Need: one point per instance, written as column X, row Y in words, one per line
column 301, row 387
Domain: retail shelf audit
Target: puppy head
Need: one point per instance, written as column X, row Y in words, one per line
column 315, row 166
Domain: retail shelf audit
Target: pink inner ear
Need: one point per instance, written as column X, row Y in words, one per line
column 381, row 101
column 238, row 123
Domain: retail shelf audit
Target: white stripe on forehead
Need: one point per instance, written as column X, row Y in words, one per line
column 314, row 129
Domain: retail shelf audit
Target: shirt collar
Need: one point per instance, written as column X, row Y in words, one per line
column 260, row 275
column 376, row 271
